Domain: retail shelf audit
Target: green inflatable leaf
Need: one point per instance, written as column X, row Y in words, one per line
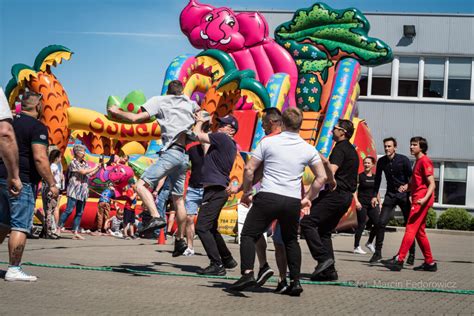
column 113, row 100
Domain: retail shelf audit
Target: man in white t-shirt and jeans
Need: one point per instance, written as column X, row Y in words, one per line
column 284, row 157
column 175, row 114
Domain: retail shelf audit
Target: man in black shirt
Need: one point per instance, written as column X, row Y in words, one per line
column 216, row 169
column 17, row 212
column 331, row 204
column 397, row 170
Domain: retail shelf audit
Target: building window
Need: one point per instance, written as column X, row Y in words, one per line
column 454, row 183
column 382, row 80
column 433, row 79
column 408, row 77
column 364, row 78
column 459, row 78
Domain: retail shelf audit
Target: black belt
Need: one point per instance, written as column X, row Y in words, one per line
column 178, row 148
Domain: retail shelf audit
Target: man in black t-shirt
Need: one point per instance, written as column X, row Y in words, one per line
column 216, row 169
column 331, row 204
column 16, row 213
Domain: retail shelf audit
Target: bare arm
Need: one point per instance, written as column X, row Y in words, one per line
column 319, row 180
column 202, row 136
column 129, row 116
column 249, row 173
column 9, row 154
column 89, row 170
column 330, row 172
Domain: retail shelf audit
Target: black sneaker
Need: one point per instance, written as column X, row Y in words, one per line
column 376, row 257
column 264, row 274
column 427, row 267
column 212, row 269
column 393, row 264
column 411, row 259
column 179, row 247
column 326, row 276
column 229, row 263
column 323, row 265
column 281, row 287
column 294, row 289
column 154, row 223
column 246, row 281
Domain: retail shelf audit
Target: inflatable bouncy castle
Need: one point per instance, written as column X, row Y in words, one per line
column 312, row 62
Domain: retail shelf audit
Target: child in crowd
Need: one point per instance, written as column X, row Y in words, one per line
column 50, row 203
column 129, row 212
column 114, row 224
column 105, row 201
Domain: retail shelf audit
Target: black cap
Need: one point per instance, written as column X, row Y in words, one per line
column 229, row 119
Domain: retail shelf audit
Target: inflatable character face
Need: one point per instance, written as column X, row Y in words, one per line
column 220, row 28
column 120, row 174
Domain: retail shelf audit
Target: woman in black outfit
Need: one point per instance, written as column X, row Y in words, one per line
column 364, row 208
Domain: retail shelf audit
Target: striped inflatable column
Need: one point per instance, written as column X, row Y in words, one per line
column 342, row 94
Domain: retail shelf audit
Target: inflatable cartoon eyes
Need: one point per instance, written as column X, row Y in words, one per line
column 208, row 18
column 231, row 23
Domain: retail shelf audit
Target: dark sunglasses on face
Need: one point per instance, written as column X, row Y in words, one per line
column 339, row 128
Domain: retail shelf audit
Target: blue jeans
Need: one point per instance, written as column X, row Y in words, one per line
column 161, row 202
column 17, row 212
column 172, row 163
column 193, row 200
column 71, row 202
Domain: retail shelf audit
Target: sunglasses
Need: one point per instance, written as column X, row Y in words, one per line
column 339, row 128
column 29, row 94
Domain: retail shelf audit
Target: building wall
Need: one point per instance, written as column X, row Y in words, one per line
column 449, row 128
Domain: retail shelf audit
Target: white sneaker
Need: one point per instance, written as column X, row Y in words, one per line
column 188, row 252
column 370, row 247
column 17, row 274
column 359, row 251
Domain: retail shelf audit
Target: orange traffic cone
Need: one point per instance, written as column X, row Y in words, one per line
column 161, row 238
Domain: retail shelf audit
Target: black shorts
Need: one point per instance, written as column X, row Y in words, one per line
column 128, row 217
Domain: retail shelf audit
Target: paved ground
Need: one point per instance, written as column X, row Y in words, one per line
column 79, row 292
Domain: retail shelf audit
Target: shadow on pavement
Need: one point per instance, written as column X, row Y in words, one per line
column 182, row 267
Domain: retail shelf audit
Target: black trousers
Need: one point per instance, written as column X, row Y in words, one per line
column 388, row 209
column 373, row 215
column 326, row 212
column 213, row 200
column 266, row 208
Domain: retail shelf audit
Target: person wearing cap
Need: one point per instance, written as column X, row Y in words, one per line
column 175, row 114
column 16, row 212
column 215, row 172
column 77, row 189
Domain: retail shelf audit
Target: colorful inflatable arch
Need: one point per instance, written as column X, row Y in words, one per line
column 312, row 62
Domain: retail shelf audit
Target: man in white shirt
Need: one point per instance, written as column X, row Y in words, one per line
column 284, row 157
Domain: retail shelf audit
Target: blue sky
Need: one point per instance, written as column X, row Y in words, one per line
column 125, row 45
